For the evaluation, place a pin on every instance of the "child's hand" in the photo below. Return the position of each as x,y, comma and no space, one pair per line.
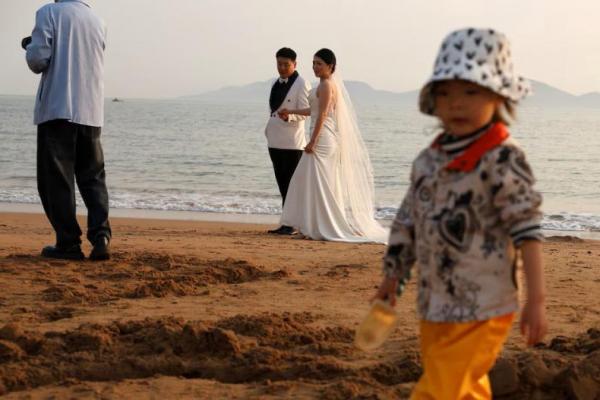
533,322
387,290
533,318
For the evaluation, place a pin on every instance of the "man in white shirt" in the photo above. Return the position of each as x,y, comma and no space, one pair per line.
67,48
286,138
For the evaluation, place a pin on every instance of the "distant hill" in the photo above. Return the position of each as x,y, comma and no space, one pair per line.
591,100
545,95
253,92
362,93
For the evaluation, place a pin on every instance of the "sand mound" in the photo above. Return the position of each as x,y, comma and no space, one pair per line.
269,348
566,368
288,331
134,275
57,313
344,270
187,276
240,349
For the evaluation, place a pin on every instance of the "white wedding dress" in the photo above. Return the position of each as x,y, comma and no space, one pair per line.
329,197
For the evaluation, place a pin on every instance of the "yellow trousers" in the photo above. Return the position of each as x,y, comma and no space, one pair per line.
456,358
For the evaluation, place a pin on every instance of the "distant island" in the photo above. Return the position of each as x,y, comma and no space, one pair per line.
362,93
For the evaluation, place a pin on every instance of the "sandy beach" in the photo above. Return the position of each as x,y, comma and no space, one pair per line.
192,309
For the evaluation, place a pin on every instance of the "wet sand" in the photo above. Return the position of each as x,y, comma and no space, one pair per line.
191,309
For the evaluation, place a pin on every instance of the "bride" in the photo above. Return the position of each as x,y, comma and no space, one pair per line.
330,196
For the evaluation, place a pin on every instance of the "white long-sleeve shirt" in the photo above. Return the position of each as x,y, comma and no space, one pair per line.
67,48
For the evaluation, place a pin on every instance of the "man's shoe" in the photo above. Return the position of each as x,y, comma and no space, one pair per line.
101,250
65,253
287,230
275,231
283,230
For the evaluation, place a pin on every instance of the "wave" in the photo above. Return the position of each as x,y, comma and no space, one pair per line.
254,203
576,222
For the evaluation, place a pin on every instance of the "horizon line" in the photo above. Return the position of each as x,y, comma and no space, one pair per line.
270,79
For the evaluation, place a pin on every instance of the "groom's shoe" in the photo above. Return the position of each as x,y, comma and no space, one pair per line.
283,230
65,253
286,230
275,231
101,249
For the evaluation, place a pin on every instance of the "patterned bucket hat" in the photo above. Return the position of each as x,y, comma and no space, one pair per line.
481,56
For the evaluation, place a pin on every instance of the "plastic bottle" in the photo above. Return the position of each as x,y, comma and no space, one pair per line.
378,324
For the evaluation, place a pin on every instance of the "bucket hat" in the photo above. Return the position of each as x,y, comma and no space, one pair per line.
481,56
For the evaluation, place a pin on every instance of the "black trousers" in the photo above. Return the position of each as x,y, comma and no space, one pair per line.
284,163
68,152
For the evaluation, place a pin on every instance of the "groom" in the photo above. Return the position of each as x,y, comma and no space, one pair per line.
286,138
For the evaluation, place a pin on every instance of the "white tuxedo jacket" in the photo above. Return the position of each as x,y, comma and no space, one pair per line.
289,134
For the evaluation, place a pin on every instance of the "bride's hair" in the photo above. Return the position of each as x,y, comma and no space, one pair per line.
327,56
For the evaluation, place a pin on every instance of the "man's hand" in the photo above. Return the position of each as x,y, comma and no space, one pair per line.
26,42
284,114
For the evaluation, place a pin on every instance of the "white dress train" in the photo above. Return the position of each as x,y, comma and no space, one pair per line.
315,202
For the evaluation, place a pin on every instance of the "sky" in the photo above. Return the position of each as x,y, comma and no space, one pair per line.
163,49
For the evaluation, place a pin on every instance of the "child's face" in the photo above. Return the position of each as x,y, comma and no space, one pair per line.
464,106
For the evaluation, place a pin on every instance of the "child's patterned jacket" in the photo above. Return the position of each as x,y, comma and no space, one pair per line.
471,201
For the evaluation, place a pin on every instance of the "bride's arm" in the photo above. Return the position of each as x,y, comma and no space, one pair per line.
324,92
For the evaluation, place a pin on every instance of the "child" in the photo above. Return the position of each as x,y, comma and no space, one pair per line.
469,205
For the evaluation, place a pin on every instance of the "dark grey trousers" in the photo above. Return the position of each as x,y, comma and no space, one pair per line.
284,163
69,153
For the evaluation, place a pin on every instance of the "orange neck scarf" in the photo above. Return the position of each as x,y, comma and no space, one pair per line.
468,160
